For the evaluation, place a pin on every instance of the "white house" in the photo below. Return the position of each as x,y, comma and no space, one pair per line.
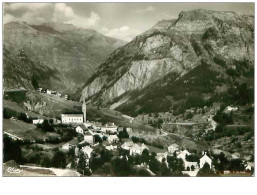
111,147
183,154
109,128
87,151
137,149
228,109
127,145
129,129
205,159
249,166
172,148
37,121
72,118
66,146
48,91
189,165
213,123
88,137
80,129
113,139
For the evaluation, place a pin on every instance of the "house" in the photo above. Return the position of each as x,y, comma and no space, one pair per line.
127,145
109,128
172,148
66,146
40,90
249,166
72,118
213,123
137,149
66,97
37,121
129,130
89,137
183,154
190,165
98,125
113,139
48,91
81,129
87,150
111,147
187,165
160,156
205,159
228,109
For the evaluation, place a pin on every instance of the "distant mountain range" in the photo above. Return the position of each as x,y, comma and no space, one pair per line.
59,56
176,64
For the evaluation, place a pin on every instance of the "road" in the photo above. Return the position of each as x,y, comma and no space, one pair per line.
13,136
164,133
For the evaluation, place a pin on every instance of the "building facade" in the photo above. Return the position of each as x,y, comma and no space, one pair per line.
72,118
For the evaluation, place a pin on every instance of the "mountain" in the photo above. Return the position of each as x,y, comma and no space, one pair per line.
59,56
177,64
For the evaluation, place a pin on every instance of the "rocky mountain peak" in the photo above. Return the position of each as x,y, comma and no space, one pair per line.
171,49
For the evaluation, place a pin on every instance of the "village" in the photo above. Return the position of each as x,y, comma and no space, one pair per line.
121,143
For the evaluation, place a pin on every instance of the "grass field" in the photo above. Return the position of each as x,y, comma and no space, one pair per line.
24,130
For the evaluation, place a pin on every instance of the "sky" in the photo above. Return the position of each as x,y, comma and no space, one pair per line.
119,20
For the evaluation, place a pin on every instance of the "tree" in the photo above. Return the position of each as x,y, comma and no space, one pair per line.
143,173
236,165
175,164
45,126
59,159
98,138
34,81
6,114
46,162
145,156
121,167
154,166
123,133
164,170
82,167
135,139
12,150
205,171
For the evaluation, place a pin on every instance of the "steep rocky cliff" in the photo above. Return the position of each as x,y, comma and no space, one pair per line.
159,60
61,56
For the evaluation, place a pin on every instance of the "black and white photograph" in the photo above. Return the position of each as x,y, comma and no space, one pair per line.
128,89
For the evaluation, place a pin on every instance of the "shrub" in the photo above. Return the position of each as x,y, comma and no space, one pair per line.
59,160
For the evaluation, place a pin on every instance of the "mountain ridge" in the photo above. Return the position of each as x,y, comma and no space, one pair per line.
71,54
196,37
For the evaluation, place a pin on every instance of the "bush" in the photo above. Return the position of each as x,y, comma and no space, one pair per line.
143,173
123,133
7,114
220,61
12,150
45,126
59,160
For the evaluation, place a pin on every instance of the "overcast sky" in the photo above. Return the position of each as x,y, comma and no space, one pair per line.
119,20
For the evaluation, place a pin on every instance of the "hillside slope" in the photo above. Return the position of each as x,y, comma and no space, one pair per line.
189,57
61,56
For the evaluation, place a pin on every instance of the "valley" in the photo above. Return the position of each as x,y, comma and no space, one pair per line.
177,100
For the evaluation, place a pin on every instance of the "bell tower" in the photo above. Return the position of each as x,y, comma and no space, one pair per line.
84,110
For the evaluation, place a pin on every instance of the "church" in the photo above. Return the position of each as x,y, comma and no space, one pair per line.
75,118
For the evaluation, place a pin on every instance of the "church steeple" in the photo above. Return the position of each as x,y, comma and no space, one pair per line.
84,110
